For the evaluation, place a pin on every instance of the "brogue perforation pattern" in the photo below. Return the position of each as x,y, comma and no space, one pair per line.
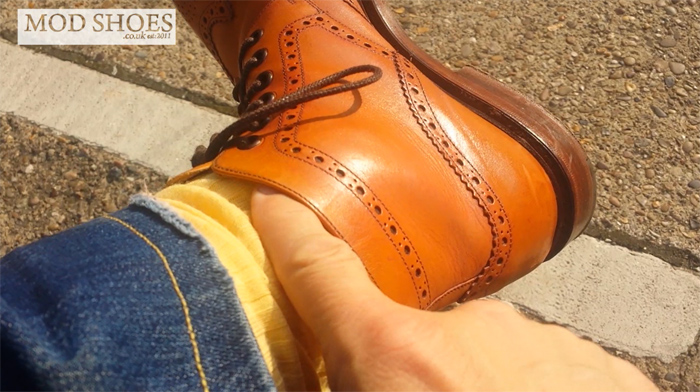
287,143
484,195
217,12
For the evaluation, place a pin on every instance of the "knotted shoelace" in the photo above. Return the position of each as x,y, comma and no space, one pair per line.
250,122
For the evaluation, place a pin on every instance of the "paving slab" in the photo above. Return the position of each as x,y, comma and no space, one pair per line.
147,126
631,301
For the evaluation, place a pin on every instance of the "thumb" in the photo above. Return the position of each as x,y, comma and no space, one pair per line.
321,274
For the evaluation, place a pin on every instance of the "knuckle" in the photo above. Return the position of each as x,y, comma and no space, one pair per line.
382,335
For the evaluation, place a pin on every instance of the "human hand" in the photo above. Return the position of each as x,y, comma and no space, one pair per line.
372,343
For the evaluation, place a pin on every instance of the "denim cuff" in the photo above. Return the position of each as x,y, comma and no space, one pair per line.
133,301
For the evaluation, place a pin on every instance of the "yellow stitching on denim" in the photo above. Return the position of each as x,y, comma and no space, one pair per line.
183,302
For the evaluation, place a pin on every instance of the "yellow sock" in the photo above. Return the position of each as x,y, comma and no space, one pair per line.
219,208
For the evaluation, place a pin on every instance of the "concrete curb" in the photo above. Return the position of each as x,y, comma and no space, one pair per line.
147,126
631,301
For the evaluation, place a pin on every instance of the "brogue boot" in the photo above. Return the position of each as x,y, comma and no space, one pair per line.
447,185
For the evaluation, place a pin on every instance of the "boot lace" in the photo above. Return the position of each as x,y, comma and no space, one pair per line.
255,115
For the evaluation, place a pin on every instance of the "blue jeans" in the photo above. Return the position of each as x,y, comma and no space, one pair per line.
134,301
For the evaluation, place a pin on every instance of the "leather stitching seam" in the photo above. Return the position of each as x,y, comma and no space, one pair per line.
395,229
212,21
297,194
478,186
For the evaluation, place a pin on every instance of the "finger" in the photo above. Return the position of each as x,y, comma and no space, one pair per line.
322,276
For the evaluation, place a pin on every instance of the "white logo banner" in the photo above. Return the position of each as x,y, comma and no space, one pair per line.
96,27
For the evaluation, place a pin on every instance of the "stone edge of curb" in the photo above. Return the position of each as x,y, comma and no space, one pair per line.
537,316
126,75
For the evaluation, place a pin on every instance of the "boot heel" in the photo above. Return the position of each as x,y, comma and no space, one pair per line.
525,121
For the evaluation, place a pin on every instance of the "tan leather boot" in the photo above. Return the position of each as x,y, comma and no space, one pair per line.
448,186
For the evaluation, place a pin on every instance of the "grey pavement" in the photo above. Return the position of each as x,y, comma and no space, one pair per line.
629,301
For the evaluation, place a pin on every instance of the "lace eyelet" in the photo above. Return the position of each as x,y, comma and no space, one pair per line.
257,34
261,82
258,125
267,97
248,142
260,55
248,43
251,122
250,63
265,78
